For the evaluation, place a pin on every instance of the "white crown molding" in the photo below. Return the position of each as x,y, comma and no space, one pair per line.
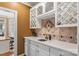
25,3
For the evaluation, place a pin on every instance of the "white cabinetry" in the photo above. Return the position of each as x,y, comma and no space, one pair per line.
33,48
36,49
39,12
34,12
34,23
48,11
66,14
43,50
33,18
59,52
40,9
49,6
27,42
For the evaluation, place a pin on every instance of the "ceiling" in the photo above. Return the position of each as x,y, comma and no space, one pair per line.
30,3
33,3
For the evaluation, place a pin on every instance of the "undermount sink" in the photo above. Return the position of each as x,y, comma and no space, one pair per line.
42,40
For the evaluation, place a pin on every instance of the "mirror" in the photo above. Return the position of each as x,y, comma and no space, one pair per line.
1,27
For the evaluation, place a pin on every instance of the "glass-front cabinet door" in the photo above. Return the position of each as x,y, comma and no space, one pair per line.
66,13
33,18
49,6
40,9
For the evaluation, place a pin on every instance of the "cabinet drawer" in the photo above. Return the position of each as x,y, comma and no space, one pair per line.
59,52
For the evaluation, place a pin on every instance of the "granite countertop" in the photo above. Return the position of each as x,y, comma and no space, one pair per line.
70,47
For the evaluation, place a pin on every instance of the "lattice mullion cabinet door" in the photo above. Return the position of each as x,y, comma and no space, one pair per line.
40,9
49,6
33,17
66,13
34,22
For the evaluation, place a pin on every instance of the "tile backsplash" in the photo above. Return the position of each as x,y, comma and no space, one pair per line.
67,34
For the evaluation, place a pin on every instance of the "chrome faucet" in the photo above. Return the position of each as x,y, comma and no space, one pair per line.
47,36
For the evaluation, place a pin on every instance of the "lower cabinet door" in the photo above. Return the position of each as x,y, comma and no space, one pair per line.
26,53
27,42
43,52
59,52
37,52
54,52
32,51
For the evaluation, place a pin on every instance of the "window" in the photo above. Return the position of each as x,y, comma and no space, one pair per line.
1,28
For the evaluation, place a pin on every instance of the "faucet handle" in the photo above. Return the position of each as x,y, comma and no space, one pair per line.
49,37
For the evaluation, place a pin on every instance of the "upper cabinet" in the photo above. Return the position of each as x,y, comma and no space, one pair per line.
33,17
39,12
45,10
34,12
33,20
40,9
66,14
49,6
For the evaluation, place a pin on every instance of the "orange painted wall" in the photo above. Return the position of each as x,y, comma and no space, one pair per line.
23,22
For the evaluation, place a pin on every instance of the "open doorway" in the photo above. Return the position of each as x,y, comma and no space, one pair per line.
10,28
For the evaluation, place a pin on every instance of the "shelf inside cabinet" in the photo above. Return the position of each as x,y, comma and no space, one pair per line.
67,25
47,15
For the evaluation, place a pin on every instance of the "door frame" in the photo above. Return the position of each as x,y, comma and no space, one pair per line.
15,19
78,26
